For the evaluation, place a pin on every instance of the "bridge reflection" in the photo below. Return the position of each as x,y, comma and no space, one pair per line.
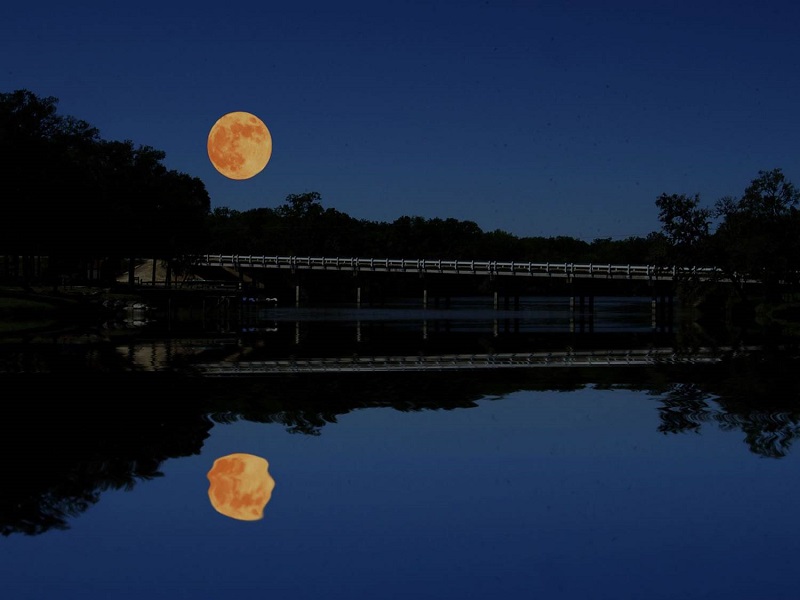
344,347
453,362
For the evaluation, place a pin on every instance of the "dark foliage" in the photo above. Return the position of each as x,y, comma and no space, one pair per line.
303,227
74,197
756,239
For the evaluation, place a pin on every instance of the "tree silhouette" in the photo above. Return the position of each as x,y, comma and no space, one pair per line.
76,198
760,232
757,236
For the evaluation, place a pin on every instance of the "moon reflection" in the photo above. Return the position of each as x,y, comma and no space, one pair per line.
240,486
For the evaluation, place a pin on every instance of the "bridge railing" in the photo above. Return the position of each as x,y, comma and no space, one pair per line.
582,270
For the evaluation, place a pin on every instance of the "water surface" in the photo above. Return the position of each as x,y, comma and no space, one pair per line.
666,480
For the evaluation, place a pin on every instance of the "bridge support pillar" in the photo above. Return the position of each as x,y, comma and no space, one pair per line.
584,300
661,312
297,295
654,312
661,308
358,297
168,277
507,296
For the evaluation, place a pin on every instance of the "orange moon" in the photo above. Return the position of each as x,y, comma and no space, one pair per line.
239,145
240,486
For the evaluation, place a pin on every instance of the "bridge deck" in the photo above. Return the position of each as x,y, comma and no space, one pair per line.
458,267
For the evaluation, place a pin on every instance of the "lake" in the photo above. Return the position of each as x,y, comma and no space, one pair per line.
460,452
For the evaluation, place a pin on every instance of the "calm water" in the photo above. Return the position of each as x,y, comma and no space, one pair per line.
673,478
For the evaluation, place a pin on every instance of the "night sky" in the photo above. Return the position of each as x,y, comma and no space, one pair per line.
538,118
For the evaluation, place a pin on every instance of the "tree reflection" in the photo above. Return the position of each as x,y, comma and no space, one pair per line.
303,406
684,408
49,498
64,454
755,394
58,456
771,435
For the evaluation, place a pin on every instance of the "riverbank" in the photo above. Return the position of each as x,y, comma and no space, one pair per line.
39,308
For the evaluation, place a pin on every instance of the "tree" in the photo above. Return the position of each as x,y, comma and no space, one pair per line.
74,197
38,150
757,239
686,226
302,206
39,154
760,232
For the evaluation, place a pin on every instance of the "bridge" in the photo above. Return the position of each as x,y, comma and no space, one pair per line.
658,279
491,268
581,296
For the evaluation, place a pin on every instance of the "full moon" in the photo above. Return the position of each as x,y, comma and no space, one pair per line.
240,486
239,145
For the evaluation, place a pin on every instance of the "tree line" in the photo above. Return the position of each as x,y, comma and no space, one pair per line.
302,226
74,197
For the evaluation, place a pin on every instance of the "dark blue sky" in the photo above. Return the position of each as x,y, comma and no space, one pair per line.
539,118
